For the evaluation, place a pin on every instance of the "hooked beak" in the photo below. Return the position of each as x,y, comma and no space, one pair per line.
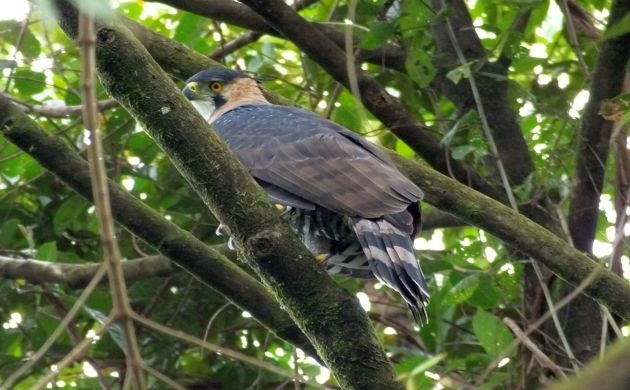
190,90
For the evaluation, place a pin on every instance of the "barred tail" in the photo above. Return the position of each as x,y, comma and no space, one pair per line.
392,259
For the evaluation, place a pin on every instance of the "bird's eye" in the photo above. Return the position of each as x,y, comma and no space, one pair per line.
216,87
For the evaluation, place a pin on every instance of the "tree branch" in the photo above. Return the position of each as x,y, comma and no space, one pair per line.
121,306
607,82
334,322
60,111
231,12
79,275
477,209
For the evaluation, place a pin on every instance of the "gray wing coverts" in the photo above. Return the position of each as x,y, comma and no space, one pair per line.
309,162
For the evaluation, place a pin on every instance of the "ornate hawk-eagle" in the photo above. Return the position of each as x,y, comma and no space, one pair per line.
348,203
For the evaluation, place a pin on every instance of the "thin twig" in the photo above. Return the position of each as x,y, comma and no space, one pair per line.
527,342
162,377
60,111
121,307
235,44
18,46
573,41
219,349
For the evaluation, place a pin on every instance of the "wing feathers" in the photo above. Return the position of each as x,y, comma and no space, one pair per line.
316,160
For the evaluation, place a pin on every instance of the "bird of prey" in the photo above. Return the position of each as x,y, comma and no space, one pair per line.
344,198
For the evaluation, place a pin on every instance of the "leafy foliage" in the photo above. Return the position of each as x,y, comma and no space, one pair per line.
475,279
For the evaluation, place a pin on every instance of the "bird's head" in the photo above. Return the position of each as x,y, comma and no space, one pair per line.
216,88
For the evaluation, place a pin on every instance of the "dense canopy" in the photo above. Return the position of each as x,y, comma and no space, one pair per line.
509,115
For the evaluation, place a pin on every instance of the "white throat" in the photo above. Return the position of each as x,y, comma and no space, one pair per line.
204,107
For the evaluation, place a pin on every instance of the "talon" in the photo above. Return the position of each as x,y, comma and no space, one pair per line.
321,257
231,244
286,210
220,230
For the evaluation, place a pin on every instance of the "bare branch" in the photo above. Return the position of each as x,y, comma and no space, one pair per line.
121,310
538,353
79,275
63,111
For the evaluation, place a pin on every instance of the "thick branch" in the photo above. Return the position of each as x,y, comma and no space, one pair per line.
437,219
183,248
332,319
239,15
519,232
607,82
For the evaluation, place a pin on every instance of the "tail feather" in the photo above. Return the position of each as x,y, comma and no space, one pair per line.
392,260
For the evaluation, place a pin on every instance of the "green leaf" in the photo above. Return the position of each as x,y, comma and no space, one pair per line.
620,28
486,296
347,114
464,121
379,32
403,149
462,71
68,212
463,290
29,83
461,152
131,10
10,31
491,333
419,67
9,232
47,251
114,330
427,364
189,29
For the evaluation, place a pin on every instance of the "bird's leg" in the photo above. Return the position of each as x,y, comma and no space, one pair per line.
322,257
221,229
282,209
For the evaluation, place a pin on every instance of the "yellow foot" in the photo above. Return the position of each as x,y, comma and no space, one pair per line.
279,207
321,257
